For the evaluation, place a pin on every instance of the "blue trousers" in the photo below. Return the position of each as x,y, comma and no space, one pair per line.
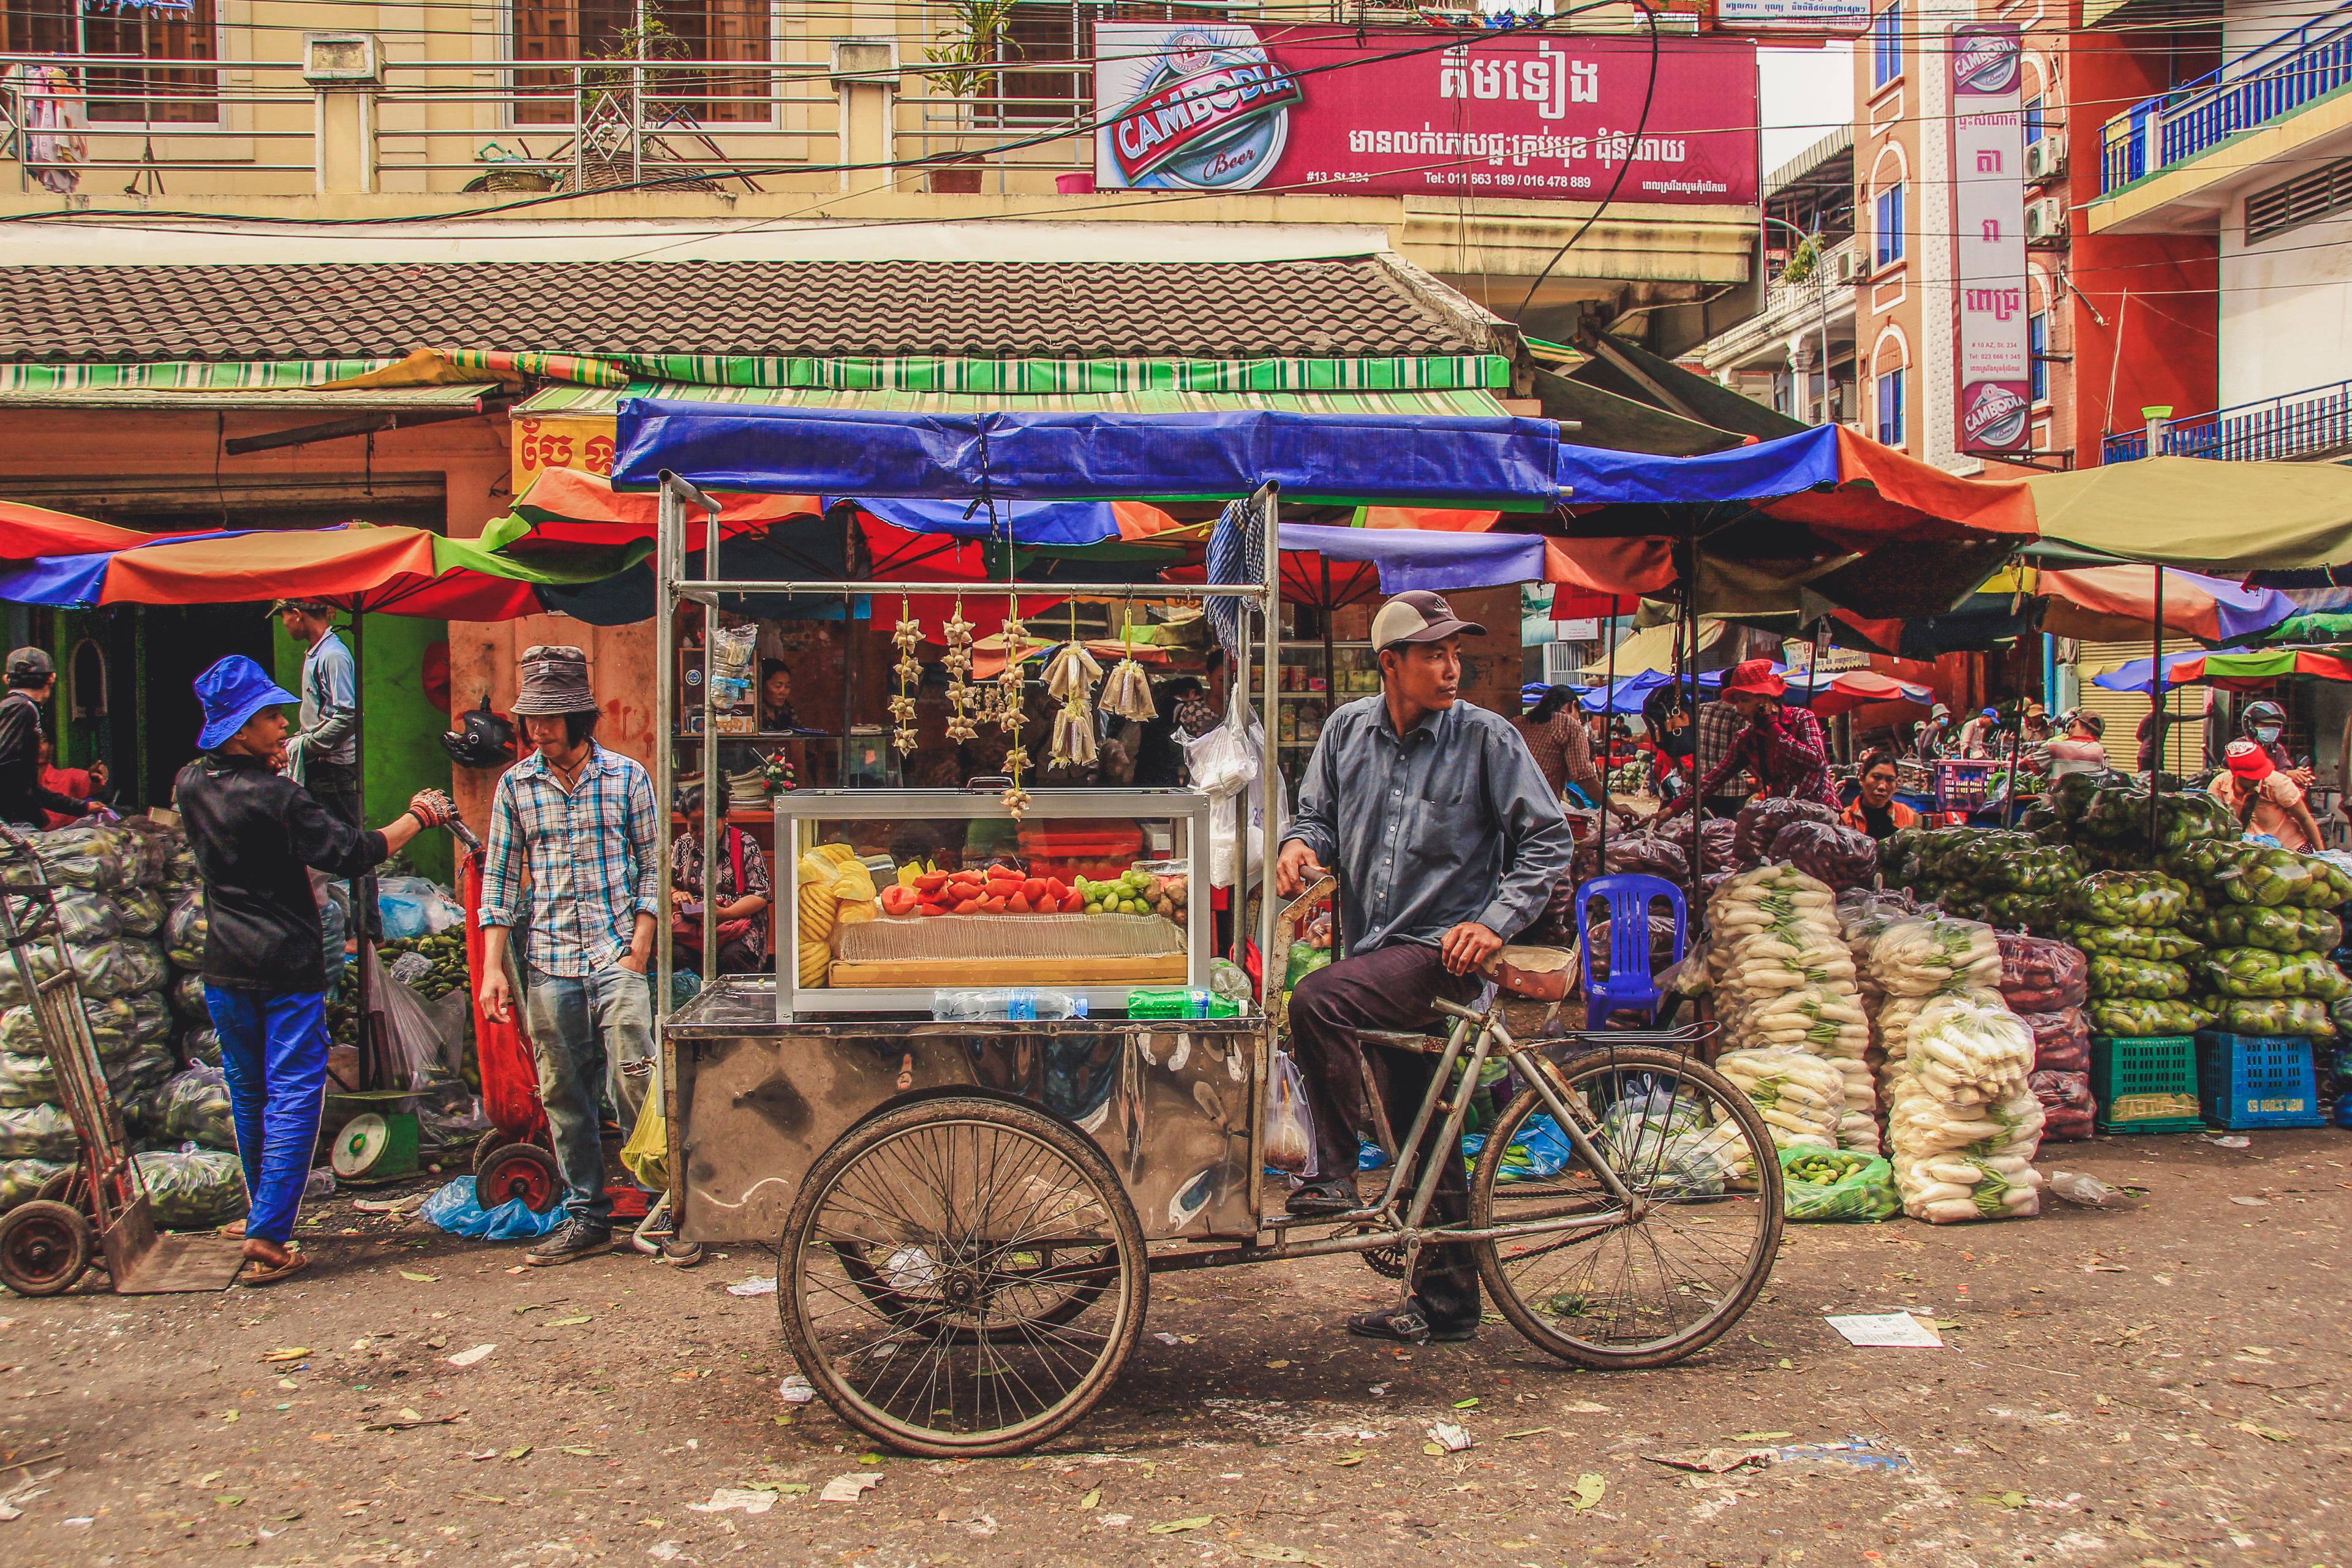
274,1054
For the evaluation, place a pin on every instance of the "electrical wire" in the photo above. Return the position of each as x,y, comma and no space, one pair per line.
1649,96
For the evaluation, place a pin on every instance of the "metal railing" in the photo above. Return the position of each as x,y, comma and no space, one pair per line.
2289,71
2296,427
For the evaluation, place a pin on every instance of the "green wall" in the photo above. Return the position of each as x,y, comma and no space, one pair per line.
401,727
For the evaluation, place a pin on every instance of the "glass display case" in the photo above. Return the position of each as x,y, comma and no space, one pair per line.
960,918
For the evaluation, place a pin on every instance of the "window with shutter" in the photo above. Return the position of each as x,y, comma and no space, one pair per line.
124,94
713,30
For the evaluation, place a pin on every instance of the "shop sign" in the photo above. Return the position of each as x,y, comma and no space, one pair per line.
571,441
1231,107
1996,401
1801,19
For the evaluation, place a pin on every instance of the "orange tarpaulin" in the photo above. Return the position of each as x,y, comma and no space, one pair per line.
28,532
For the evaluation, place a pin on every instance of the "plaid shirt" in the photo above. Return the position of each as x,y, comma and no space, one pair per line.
1786,752
1720,725
590,856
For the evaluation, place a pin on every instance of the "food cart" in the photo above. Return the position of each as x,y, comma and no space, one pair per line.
967,1210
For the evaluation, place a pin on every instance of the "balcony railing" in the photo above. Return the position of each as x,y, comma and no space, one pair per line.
2289,71
2296,427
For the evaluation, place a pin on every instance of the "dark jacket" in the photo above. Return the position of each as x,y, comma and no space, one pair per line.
253,831
22,798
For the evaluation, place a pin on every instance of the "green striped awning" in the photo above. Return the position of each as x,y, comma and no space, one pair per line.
1006,377
581,400
225,383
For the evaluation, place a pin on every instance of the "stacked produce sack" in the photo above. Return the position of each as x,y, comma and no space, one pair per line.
2269,932
1962,1121
114,883
2046,982
2011,881
1783,981
2132,926
1806,834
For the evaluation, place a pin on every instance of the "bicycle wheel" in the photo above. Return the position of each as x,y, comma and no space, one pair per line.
1652,1286
966,1277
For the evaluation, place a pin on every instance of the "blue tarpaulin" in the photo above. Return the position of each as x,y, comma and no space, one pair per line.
1068,522
1415,558
1466,462
1788,466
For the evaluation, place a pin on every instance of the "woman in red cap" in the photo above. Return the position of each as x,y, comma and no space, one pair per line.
2265,799
1782,747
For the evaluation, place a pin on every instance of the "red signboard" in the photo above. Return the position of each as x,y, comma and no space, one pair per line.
1200,106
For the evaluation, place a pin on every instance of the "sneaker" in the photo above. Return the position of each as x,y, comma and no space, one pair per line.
570,1242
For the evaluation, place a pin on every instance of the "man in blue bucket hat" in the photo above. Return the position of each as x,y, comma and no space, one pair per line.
254,832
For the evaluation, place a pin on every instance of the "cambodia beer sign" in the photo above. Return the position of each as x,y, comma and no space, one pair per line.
1202,106
1996,396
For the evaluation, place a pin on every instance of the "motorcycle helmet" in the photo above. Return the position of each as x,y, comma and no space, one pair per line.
484,739
2262,712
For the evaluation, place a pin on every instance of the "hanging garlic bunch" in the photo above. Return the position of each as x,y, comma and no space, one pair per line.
1005,711
1015,799
957,633
908,636
1128,692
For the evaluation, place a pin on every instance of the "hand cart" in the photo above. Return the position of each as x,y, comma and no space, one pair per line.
98,1211
969,1214
512,1159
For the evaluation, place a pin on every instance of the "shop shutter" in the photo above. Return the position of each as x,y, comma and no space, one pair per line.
2185,747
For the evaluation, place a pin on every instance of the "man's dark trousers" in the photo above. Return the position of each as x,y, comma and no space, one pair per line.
1392,988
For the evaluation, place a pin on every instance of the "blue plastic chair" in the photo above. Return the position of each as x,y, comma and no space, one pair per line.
1631,983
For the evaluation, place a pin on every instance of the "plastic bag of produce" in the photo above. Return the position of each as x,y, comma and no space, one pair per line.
26,1080
1289,1123
1840,856
86,919
201,1047
2282,930
2257,973
195,1191
1966,1161
111,1021
2257,874
184,931
1802,1097
2016,912
1897,1014
38,1132
40,957
21,1180
2042,973
1761,819
416,906
2113,976
1919,957
197,1109
2137,1018
1715,838
102,857
2068,1109
2062,1040
141,910
187,996
2278,1015
1647,855
2070,797
149,1066
2133,942
163,848
1837,1184
2124,898
1825,1021
1961,1051
121,967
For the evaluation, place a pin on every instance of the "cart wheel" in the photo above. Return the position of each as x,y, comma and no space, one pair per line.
1665,1281
70,1186
488,1145
965,1276
44,1247
522,1171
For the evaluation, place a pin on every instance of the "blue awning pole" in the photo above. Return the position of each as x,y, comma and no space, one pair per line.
2159,721
1269,771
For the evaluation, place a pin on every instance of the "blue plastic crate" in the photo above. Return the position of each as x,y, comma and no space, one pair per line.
2257,1080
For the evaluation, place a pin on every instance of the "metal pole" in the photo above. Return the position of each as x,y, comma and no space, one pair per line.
1270,779
363,887
1608,725
2157,722
714,802
670,527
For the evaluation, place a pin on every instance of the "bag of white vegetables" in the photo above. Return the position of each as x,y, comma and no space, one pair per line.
1961,1050
1823,1022
1972,1161
1800,1096
1922,956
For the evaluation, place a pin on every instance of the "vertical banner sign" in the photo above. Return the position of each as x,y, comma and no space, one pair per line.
1988,252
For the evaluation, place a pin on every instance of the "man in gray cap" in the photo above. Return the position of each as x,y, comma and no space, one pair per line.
580,823
1447,842
31,677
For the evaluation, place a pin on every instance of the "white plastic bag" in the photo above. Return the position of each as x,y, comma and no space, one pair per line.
1289,1123
1225,765
413,906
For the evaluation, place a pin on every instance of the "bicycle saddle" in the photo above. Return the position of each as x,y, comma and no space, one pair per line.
1538,973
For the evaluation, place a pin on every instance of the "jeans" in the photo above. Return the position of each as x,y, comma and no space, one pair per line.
1389,988
274,1055
584,1031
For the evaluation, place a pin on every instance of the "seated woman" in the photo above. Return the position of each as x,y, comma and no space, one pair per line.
1875,811
744,892
776,697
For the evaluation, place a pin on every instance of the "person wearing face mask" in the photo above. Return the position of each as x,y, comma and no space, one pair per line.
2264,724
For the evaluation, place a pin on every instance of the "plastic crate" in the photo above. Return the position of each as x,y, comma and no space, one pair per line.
1965,783
2257,1080
2146,1083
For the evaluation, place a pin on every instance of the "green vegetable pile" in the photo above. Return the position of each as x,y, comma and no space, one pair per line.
2260,875
448,953
2011,881
1830,1184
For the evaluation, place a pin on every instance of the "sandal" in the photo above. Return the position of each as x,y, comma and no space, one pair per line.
1405,1325
234,1230
259,1273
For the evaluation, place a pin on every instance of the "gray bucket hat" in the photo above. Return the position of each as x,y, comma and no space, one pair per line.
555,680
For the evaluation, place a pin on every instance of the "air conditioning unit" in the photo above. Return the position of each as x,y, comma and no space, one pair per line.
2046,158
1849,266
2045,221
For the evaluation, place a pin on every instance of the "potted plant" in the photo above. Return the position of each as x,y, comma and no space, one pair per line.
977,35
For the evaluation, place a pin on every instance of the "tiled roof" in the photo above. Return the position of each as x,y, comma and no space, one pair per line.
1344,308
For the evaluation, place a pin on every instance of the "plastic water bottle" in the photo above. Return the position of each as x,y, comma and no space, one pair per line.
1019,1004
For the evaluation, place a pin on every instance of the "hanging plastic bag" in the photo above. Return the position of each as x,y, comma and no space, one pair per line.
416,907
1225,765
455,1209
646,1153
196,1190
413,1043
1289,1123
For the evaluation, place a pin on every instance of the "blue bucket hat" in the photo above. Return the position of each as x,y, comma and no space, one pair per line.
232,691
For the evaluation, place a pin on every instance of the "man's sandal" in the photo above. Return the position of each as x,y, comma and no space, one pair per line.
261,1273
1405,1325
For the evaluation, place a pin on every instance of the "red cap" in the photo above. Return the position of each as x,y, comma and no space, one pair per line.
2249,761
1755,675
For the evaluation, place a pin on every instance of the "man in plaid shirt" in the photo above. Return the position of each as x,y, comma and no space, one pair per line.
580,821
1781,747
1719,724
